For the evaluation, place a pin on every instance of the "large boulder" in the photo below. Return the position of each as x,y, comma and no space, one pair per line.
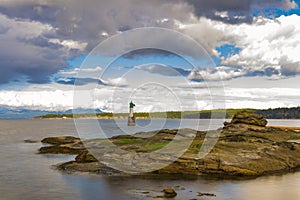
250,118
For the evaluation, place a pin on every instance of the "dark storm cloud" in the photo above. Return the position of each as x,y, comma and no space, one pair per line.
215,74
3,29
79,18
271,71
37,58
33,11
27,53
85,20
40,41
147,52
238,11
36,68
289,68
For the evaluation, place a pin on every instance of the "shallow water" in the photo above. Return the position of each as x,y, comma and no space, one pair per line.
27,175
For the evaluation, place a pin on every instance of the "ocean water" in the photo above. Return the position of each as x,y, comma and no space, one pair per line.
24,174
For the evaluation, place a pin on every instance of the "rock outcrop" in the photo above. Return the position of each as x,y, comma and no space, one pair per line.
62,145
60,140
85,157
244,121
245,148
245,117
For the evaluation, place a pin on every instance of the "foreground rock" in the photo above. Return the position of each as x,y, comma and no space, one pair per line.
245,148
62,145
60,140
169,193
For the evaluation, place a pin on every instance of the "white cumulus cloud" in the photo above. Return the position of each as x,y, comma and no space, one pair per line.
269,46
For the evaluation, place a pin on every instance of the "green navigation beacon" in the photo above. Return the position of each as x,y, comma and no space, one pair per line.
131,118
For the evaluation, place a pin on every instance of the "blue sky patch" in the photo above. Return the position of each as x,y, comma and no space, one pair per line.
227,50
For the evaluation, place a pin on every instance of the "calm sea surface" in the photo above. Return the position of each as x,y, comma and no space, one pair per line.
24,174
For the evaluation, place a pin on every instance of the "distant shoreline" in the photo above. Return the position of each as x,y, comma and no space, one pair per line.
277,113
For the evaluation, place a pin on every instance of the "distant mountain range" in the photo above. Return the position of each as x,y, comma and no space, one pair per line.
22,113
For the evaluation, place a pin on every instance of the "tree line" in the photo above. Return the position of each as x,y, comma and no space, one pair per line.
275,113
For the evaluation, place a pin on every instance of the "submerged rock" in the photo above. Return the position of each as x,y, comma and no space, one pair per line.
30,141
200,194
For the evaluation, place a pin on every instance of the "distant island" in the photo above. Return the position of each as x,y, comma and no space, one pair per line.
276,113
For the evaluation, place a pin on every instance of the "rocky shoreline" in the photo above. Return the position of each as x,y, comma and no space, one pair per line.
246,148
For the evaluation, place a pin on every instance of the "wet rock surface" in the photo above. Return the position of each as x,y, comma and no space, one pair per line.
169,193
30,141
245,149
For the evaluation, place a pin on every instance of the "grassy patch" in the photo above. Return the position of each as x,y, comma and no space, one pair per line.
127,141
195,146
152,147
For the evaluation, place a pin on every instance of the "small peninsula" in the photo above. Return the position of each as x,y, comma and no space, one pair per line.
246,148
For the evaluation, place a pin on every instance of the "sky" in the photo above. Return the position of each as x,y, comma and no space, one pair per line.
247,54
